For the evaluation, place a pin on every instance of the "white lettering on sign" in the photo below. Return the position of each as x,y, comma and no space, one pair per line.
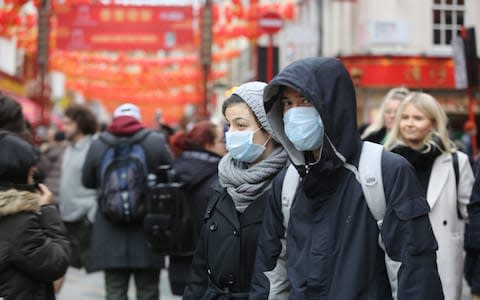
276,23
171,16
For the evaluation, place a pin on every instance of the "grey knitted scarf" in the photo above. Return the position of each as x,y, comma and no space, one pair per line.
245,182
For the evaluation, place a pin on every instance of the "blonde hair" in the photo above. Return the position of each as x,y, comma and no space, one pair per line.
433,111
398,93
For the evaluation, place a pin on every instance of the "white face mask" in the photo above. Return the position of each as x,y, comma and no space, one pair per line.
304,128
241,146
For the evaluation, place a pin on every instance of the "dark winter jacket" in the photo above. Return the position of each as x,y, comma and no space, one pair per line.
223,263
198,170
51,167
34,250
332,247
472,237
377,136
122,245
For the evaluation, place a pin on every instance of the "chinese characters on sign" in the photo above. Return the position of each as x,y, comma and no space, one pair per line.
98,27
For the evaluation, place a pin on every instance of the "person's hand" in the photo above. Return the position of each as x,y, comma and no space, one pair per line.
45,195
475,297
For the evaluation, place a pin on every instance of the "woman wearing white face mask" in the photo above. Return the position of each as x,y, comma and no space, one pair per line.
223,263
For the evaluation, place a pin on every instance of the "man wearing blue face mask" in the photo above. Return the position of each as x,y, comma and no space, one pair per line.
331,241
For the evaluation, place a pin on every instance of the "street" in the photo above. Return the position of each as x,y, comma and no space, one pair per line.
81,286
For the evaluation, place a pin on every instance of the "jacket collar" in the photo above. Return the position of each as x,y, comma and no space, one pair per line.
253,213
14,201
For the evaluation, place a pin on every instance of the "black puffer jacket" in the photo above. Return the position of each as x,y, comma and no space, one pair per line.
198,170
223,263
33,248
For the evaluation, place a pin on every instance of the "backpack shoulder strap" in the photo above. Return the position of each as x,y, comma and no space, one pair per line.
289,188
112,140
456,170
370,171
107,138
139,136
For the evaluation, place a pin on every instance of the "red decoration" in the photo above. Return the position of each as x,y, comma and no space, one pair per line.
98,27
411,71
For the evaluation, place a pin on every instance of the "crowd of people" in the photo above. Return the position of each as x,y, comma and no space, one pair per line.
409,229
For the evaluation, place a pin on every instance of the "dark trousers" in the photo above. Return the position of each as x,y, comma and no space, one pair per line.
79,234
147,283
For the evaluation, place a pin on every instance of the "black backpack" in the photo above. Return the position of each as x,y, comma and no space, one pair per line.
123,175
170,223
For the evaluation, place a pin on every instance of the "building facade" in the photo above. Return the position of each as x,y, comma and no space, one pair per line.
388,43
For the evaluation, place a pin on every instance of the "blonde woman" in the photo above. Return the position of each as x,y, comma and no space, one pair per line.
419,134
381,126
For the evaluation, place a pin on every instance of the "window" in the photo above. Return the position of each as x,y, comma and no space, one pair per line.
448,18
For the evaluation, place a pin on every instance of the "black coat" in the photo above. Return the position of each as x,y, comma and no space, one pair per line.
198,170
376,136
121,245
225,255
34,250
332,249
472,237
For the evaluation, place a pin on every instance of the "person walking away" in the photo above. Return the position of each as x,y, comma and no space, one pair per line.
119,245
223,263
332,239
419,134
34,249
200,150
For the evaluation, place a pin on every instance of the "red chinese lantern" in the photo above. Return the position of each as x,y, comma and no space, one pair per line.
288,11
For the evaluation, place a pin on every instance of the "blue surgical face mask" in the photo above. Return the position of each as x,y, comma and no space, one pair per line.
304,128
241,146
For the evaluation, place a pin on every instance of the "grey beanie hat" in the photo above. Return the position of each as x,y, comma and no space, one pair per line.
252,94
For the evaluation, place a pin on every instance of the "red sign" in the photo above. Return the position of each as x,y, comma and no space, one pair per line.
410,71
271,22
99,27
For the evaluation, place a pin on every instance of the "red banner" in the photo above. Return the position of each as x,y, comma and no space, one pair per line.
99,27
414,72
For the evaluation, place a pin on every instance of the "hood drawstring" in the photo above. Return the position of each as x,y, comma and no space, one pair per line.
346,165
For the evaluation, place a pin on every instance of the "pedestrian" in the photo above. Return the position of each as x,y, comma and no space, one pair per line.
120,248
77,203
200,150
12,119
420,135
223,263
332,249
472,239
377,131
50,165
469,131
34,249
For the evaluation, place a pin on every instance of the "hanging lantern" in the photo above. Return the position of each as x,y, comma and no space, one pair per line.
288,11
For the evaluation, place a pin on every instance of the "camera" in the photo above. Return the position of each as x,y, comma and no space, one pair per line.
163,191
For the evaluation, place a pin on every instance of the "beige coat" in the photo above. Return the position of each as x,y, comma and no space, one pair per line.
448,229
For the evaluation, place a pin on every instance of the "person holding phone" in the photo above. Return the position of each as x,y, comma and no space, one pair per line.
34,250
